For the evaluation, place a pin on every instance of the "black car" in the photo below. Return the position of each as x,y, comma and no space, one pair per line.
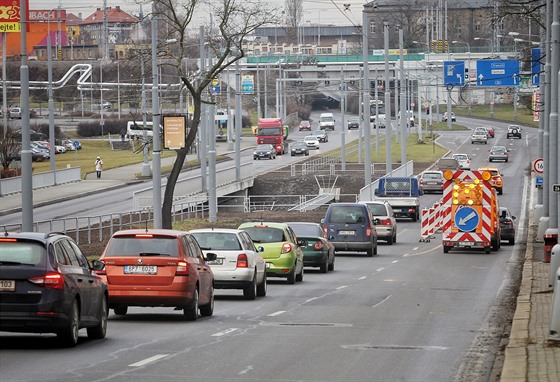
321,135
48,286
507,225
353,123
299,148
264,151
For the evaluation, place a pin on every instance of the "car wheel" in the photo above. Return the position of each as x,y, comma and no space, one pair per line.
190,312
299,276
395,235
208,309
487,250
250,292
331,264
69,335
445,249
390,240
262,287
500,192
99,331
490,160
511,241
291,279
375,246
121,310
324,268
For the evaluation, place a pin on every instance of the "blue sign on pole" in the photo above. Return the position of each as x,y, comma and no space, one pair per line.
454,73
247,81
536,58
466,219
497,73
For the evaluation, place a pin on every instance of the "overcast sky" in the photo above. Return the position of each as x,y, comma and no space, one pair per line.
315,11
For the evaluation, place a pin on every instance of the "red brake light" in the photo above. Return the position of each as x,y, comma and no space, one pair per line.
53,280
242,261
384,221
318,245
286,247
326,229
182,268
144,235
368,231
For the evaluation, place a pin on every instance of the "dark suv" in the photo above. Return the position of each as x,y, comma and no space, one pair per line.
48,286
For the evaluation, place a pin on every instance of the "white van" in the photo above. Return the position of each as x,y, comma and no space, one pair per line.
136,131
326,121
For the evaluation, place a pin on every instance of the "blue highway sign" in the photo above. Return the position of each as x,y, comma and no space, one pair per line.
247,81
466,219
454,73
536,58
497,73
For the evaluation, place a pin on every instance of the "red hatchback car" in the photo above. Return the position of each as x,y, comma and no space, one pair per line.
158,267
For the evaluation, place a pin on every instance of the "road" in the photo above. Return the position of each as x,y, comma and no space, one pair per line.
409,314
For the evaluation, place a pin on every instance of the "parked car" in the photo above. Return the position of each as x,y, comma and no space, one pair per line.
264,151
299,148
279,248
15,112
353,123
318,251
158,267
379,121
453,118
497,180
385,222
305,125
312,142
351,227
48,286
498,153
322,135
464,161
431,181
479,135
507,225
513,131
238,264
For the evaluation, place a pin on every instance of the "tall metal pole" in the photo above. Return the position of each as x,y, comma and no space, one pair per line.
156,156
4,87
52,151
404,109
238,124
26,164
342,114
366,97
202,133
146,172
362,123
388,133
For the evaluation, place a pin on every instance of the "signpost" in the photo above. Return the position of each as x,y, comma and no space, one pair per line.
453,73
497,73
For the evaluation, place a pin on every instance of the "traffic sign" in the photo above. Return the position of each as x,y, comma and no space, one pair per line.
539,182
538,165
497,73
466,219
536,66
454,73
247,81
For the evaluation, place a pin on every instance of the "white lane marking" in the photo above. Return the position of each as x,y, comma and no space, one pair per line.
415,248
394,261
381,302
246,370
342,287
362,278
276,313
224,332
311,299
380,269
148,360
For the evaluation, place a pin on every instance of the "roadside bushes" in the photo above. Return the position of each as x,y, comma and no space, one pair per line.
93,129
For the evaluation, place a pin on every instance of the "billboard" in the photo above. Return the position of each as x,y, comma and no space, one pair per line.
10,15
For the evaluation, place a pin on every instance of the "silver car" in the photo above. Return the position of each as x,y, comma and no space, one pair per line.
431,181
238,264
385,222
464,161
479,135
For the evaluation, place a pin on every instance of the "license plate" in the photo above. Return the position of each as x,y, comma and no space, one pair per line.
466,244
7,285
140,269
346,232
219,261
431,182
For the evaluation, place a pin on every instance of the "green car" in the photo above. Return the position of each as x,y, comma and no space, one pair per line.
279,249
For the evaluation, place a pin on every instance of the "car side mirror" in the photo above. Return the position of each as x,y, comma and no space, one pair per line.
210,256
260,248
331,237
97,265
513,217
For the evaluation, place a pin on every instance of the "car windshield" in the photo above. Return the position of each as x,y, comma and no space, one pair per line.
347,215
265,234
431,175
460,156
263,147
318,133
147,245
305,229
498,149
377,209
298,144
270,131
217,240
310,138
22,252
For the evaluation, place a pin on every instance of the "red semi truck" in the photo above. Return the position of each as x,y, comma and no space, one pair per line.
272,131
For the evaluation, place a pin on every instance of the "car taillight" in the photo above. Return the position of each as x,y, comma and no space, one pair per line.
286,247
53,280
242,261
326,229
368,231
421,181
182,268
318,245
384,221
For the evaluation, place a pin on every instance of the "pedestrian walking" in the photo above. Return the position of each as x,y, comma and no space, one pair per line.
98,167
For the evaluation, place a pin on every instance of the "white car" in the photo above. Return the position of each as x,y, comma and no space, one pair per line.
464,161
312,142
239,265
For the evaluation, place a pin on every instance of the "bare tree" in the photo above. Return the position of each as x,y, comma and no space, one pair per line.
294,14
234,20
